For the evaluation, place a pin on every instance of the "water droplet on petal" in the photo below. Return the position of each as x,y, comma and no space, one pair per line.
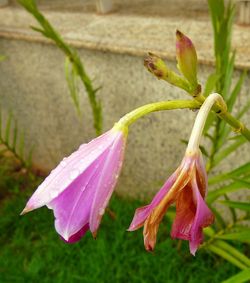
101,211
73,174
63,163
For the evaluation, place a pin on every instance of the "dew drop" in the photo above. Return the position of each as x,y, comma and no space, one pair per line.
73,174
63,163
101,211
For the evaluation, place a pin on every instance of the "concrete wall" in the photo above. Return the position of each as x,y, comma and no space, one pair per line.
33,87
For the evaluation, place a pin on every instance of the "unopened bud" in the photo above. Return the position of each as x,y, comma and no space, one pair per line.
186,58
158,67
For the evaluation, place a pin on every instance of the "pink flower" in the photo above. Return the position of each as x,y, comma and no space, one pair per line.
187,187
79,188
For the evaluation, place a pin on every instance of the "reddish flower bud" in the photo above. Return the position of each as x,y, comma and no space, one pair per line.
186,58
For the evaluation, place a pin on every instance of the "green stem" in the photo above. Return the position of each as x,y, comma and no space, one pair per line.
134,115
237,125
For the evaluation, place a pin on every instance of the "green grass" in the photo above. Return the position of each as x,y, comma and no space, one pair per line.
31,251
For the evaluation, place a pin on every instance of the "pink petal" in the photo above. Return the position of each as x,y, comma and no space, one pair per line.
72,207
142,213
76,237
203,218
107,180
201,175
185,213
68,170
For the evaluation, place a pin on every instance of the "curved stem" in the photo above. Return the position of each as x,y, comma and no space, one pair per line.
134,115
201,118
237,125
219,109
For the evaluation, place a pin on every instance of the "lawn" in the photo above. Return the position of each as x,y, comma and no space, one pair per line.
31,250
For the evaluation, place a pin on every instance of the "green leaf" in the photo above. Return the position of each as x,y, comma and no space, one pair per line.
235,186
240,277
71,78
222,154
232,210
210,84
39,30
245,168
29,159
243,236
219,219
77,67
227,256
209,122
236,91
233,251
225,129
15,134
21,146
235,204
244,109
228,76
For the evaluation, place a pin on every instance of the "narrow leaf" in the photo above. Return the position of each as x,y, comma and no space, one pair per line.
235,186
233,251
240,236
227,256
228,76
235,204
21,146
236,91
232,210
210,84
240,277
15,133
242,112
228,150
219,219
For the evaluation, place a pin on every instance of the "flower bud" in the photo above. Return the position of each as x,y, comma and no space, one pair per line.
186,58
158,67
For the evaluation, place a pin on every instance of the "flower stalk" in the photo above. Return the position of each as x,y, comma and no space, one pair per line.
218,107
136,114
200,121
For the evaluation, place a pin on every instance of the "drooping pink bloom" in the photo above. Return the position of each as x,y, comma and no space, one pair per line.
187,187
79,188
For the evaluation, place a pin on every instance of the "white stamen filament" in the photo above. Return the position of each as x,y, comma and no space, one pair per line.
195,137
